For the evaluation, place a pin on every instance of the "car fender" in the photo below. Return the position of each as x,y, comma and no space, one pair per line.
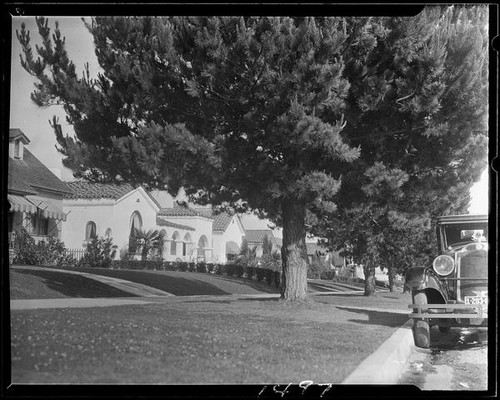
420,278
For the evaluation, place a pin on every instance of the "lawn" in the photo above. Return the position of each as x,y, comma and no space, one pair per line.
186,283
186,340
41,284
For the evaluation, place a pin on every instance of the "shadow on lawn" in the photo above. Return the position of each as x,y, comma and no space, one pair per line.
385,318
175,285
75,285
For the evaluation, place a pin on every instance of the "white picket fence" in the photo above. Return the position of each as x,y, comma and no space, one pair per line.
76,253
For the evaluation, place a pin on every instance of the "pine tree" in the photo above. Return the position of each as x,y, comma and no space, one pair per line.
417,108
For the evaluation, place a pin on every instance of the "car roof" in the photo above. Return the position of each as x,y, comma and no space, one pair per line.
458,219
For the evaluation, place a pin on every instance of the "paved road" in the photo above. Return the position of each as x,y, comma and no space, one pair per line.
456,361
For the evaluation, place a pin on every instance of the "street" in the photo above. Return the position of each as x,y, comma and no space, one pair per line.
456,360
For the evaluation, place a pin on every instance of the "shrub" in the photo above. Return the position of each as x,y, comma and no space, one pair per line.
271,261
191,267
51,252
269,275
229,269
328,275
249,271
219,269
260,273
201,267
238,270
170,266
181,266
136,264
316,267
99,253
277,278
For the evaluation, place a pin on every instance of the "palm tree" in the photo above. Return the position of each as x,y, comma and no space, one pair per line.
149,240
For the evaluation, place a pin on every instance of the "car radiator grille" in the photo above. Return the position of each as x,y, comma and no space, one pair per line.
473,264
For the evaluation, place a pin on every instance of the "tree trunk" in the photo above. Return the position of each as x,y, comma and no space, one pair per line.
293,252
392,280
369,271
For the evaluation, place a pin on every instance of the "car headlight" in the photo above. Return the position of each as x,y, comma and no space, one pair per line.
443,265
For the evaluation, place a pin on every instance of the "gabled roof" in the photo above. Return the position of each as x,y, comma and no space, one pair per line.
91,190
181,211
163,222
31,173
16,133
221,220
257,235
16,186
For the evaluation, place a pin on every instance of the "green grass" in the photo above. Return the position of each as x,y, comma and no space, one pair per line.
41,284
183,340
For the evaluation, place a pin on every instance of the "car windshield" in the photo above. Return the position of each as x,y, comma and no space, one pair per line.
457,234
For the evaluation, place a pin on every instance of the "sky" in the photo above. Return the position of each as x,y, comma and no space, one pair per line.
34,121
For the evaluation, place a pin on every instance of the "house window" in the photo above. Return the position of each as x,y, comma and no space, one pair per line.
39,225
90,231
184,249
173,244
17,149
10,221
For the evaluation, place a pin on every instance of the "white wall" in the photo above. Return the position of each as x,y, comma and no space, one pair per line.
233,233
106,213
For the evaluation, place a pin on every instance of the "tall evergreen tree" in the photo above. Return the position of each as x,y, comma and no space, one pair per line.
243,112
417,107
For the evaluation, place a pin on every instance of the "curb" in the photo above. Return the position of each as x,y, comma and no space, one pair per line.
387,363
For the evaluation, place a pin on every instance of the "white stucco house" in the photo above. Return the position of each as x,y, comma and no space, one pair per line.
111,210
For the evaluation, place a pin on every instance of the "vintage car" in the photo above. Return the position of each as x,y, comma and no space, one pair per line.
454,290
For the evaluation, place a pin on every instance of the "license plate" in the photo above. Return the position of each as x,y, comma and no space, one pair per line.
482,300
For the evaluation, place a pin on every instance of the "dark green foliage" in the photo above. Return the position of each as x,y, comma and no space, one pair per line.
137,264
201,267
150,242
51,252
249,271
260,274
317,267
267,246
271,261
417,109
269,113
240,111
99,253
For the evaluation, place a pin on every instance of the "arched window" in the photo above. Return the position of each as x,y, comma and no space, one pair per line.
173,244
90,230
135,223
202,244
186,244
108,234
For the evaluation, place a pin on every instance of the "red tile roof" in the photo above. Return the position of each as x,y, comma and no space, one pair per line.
257,235
183,211
91,190
30,174
163,222
221,220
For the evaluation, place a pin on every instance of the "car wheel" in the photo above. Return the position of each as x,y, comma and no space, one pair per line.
421,330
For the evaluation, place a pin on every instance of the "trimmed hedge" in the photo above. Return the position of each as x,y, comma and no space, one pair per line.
137,264
271,276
